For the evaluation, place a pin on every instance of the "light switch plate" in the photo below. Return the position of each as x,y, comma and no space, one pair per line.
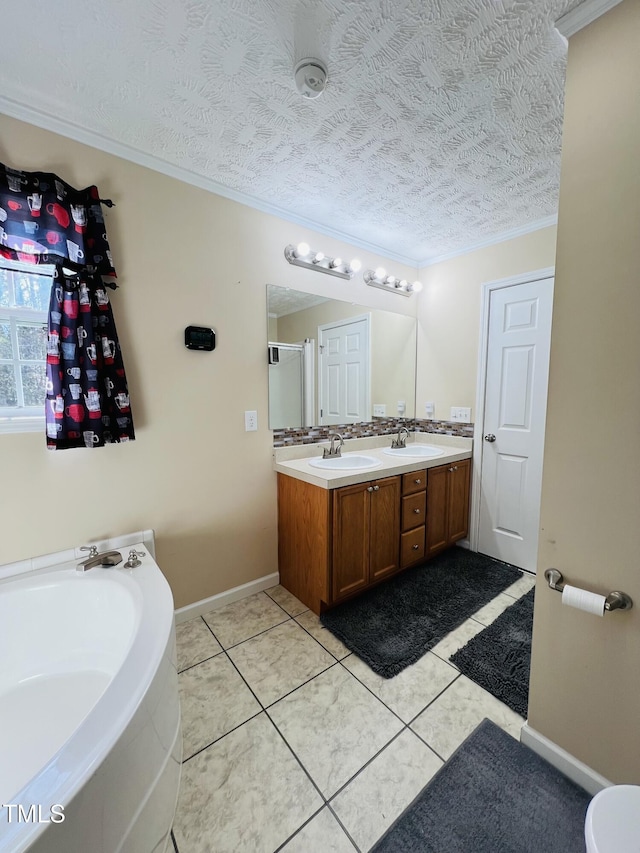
429,409
461,413
250,421
379,410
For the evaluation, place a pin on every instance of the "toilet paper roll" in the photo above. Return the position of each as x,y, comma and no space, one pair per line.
583,600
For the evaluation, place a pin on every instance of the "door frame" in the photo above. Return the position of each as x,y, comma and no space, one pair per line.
478,443
345,321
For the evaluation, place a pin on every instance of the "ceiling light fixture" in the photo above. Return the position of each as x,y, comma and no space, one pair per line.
302,256
380,278
311,77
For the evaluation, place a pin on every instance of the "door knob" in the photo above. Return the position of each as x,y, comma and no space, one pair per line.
490,437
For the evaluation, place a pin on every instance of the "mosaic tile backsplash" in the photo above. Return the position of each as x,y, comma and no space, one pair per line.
380,426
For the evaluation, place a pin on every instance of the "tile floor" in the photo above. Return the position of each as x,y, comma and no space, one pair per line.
293,744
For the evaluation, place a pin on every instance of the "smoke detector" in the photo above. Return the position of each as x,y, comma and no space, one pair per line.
311,77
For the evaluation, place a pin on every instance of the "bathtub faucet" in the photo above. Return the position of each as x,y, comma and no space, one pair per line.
106,558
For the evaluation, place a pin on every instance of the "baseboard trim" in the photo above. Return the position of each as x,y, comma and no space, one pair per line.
215,602
563,761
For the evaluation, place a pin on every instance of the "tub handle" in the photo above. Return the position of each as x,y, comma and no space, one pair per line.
133,562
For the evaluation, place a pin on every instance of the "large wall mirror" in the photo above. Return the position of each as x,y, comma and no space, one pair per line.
333,362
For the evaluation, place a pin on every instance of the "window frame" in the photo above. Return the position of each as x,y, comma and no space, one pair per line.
22,418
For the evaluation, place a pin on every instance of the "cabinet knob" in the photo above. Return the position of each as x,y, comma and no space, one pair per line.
415,547
453,468
418,481
417,511
370,489
376,488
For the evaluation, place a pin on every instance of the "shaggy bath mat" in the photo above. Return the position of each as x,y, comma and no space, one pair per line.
493,795
499,657
394,624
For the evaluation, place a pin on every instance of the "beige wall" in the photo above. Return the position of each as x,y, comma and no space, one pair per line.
184,256
449,316
393,347
585,683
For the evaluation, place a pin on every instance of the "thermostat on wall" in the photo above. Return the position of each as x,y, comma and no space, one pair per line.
199,337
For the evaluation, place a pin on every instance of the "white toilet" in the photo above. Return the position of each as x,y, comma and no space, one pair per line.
613,820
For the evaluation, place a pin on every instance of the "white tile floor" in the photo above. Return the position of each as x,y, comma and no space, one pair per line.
292,743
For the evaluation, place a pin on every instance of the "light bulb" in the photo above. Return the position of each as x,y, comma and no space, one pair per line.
416,287
390,280
403,284
302,250
380,273
355,265
335,263
319,256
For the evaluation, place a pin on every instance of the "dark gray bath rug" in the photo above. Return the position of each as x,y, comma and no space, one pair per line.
499,658
493,795
394,624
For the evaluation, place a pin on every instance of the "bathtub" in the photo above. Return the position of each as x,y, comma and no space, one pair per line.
90,740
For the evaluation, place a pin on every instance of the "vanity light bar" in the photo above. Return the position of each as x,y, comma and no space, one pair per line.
302,256
380,278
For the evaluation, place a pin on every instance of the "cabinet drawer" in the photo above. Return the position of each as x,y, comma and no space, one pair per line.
416,481
413,510
412,546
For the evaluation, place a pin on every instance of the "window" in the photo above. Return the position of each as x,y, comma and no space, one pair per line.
24,302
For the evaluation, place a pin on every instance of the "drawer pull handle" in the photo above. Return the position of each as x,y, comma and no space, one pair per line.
417,511
417,482
415,547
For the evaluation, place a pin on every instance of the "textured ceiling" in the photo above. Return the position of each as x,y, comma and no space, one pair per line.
282,301
440,125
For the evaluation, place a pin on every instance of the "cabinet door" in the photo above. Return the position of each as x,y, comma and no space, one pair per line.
437,527
351,526
385,528
458,500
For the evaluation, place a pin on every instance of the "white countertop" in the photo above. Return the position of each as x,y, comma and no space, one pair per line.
293,461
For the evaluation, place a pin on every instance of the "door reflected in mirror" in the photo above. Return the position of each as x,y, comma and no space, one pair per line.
333,362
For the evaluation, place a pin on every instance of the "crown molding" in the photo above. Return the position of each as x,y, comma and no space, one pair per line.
69,130
583,15
512,233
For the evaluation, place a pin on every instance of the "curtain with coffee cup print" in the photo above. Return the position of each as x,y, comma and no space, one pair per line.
43,220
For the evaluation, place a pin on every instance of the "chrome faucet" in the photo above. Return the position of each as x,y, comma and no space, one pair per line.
106,558
401,440
333,451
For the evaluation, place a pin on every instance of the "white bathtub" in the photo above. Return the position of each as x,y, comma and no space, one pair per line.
90,741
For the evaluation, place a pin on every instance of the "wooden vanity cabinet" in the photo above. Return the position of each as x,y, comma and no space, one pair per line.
366,529
414,513
447,505
333,543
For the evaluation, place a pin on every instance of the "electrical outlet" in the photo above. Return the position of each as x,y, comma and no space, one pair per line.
250,421
379,410
429,409
402,407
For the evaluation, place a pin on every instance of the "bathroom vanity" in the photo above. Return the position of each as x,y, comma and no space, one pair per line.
340,532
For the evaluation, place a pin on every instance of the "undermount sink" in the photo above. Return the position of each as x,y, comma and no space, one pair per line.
424,451
347,462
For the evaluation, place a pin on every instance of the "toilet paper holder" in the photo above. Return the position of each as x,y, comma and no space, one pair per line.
616,600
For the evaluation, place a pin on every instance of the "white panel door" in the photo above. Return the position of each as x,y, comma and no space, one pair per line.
344,371
514,418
